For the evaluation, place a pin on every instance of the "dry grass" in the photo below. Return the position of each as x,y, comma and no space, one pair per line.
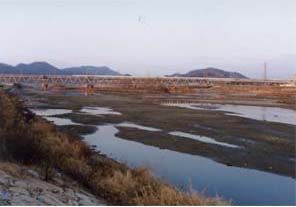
11,169
138,187
32,140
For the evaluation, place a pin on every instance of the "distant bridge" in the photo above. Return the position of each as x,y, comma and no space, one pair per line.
130,82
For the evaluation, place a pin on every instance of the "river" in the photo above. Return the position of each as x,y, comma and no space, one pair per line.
240,185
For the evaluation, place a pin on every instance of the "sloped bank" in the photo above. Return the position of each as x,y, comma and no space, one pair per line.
23,185
31,140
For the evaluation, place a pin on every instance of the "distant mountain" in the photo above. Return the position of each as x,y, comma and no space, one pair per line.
37,68
44,68
210,72
7,69
89,70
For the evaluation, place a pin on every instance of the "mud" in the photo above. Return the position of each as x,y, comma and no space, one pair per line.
267,146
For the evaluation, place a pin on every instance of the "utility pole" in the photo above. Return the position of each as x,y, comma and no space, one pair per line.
265,71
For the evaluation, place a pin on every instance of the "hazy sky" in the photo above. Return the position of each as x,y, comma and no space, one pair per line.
152,37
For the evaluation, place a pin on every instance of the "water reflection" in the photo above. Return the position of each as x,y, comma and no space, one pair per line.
60,121
137,126
99,111
261,113
244,186
50,112
203,139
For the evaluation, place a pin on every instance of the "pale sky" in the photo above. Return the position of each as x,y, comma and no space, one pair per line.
152,37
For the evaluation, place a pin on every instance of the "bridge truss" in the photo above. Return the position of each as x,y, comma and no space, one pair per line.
128,81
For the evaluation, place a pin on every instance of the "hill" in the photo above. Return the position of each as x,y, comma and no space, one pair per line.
89,70
37,68
7,69
210,72
44,68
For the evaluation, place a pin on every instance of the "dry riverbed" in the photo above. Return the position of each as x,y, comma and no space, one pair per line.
268,146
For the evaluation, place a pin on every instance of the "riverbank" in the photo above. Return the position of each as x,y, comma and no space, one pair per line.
44,145
24,185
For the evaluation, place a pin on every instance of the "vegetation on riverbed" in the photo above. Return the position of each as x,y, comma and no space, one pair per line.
31,140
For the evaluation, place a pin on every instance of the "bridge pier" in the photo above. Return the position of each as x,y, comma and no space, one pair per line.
89,89
44,86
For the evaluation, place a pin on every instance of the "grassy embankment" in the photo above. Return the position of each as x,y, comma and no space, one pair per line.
30,140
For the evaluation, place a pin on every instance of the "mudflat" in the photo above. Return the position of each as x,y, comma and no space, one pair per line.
263,145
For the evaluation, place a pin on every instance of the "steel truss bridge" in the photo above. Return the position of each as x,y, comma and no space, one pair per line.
129,81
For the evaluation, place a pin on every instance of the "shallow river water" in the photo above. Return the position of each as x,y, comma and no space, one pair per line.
261,113
242,186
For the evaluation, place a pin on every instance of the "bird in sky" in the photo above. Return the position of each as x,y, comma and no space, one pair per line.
141,20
